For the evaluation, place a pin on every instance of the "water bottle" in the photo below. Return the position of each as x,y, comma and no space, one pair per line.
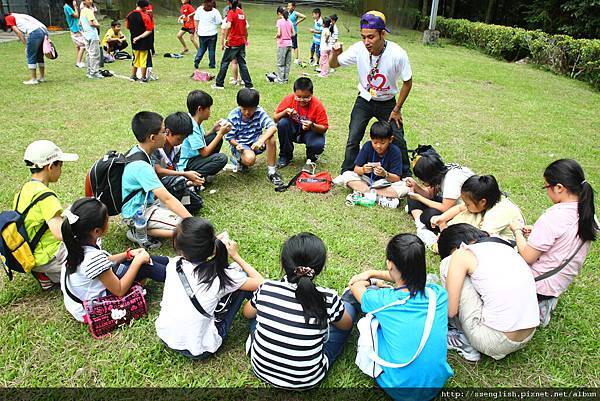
140,224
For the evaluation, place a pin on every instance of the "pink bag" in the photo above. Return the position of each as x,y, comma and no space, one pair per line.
49,49
202,76
105,314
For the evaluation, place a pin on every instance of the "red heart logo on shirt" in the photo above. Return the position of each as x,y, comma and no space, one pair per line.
377,81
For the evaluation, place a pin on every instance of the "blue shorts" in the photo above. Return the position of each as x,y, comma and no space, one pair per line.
295,41
35,48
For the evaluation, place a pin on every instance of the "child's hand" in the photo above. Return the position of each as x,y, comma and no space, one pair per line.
225,128
410,183
367,168
134,252
290,112
306,125
364,276
239,147
437,221
194,177
143,257
232,248
258,145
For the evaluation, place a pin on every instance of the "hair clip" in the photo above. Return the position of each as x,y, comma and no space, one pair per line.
301,271
70,216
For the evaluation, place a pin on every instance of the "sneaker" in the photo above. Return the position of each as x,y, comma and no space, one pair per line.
546,307
44,281
275,179
95,75
152,77
428,237
339,180
459,342
143,80
80,65
309,166
40,80
391,203
151,244
133,78
215,86
352,198
242,168
283,162
271,77
297,61
31,82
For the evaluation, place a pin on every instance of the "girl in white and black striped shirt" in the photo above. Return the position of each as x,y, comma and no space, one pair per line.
297,329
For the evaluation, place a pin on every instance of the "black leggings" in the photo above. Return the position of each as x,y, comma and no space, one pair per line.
428,212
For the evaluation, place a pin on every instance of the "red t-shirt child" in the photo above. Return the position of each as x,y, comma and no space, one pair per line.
186,10
237,31
315,111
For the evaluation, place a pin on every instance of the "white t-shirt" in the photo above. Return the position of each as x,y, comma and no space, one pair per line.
179,323
393,66
506,287
453,181
207,22
84,282
27,24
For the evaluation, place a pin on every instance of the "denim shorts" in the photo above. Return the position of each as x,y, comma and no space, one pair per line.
35,48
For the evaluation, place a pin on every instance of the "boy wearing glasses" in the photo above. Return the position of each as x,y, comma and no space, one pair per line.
301,118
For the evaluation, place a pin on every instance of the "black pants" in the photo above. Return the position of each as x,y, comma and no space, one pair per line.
289,132
211,164
239,54
112,47
362,112
428,212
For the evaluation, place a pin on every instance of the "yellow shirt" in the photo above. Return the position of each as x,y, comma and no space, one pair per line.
42,212
110,34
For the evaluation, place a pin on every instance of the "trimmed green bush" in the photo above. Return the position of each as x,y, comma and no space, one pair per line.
576,58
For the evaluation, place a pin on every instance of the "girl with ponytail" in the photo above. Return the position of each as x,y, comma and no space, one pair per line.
297,329
562,234
196,328
484,206
91,272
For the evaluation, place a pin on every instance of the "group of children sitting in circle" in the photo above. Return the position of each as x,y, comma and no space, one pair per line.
298,329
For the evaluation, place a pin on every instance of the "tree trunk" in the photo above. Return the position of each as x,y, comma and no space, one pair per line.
452,8
425,11
490,11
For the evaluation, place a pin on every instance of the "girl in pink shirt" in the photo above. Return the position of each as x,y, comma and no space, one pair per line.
561,236
285,31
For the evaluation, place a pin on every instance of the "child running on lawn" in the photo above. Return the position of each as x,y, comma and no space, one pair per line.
186,18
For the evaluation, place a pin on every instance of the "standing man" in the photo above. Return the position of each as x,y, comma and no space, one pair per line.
381,63
295,18
236,36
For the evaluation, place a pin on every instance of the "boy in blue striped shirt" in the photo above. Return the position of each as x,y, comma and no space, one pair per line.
247,138
315,46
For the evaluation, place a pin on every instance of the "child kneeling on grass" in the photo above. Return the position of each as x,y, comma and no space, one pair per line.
247,139
89,271
478,276
401,326
139,178
297,329
484,206
378,167
217,287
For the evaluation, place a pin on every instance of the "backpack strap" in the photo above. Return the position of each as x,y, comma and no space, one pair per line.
496,240
188,289
426,331
292,182
33,243
562,265
69,293
135,157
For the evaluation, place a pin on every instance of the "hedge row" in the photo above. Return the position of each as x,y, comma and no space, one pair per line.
576,58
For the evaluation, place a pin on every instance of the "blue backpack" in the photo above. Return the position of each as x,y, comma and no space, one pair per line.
16,249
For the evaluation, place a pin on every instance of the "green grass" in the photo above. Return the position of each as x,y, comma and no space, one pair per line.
497,118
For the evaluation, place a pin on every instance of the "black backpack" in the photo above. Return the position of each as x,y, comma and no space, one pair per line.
177,186
106,176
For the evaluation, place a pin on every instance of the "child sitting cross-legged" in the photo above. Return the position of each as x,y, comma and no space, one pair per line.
378,168
141,185
89,271
297,329
252,132
219,288
402,326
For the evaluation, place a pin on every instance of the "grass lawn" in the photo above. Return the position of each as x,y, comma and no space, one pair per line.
497,118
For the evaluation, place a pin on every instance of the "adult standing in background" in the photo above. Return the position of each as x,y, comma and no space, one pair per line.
381,63
21,25
295,18
236,36
208,19
72,16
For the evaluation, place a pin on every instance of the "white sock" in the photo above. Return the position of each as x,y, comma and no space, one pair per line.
271,170
419,224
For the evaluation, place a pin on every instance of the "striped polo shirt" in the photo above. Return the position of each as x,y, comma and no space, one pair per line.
286,351
247,132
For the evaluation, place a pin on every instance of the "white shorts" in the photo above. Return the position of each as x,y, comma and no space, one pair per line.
399,186
54,266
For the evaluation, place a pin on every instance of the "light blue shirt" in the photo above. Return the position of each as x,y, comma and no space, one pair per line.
136,175
399,335
72,22
318,26
191,146
247,132
89,32
293,17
